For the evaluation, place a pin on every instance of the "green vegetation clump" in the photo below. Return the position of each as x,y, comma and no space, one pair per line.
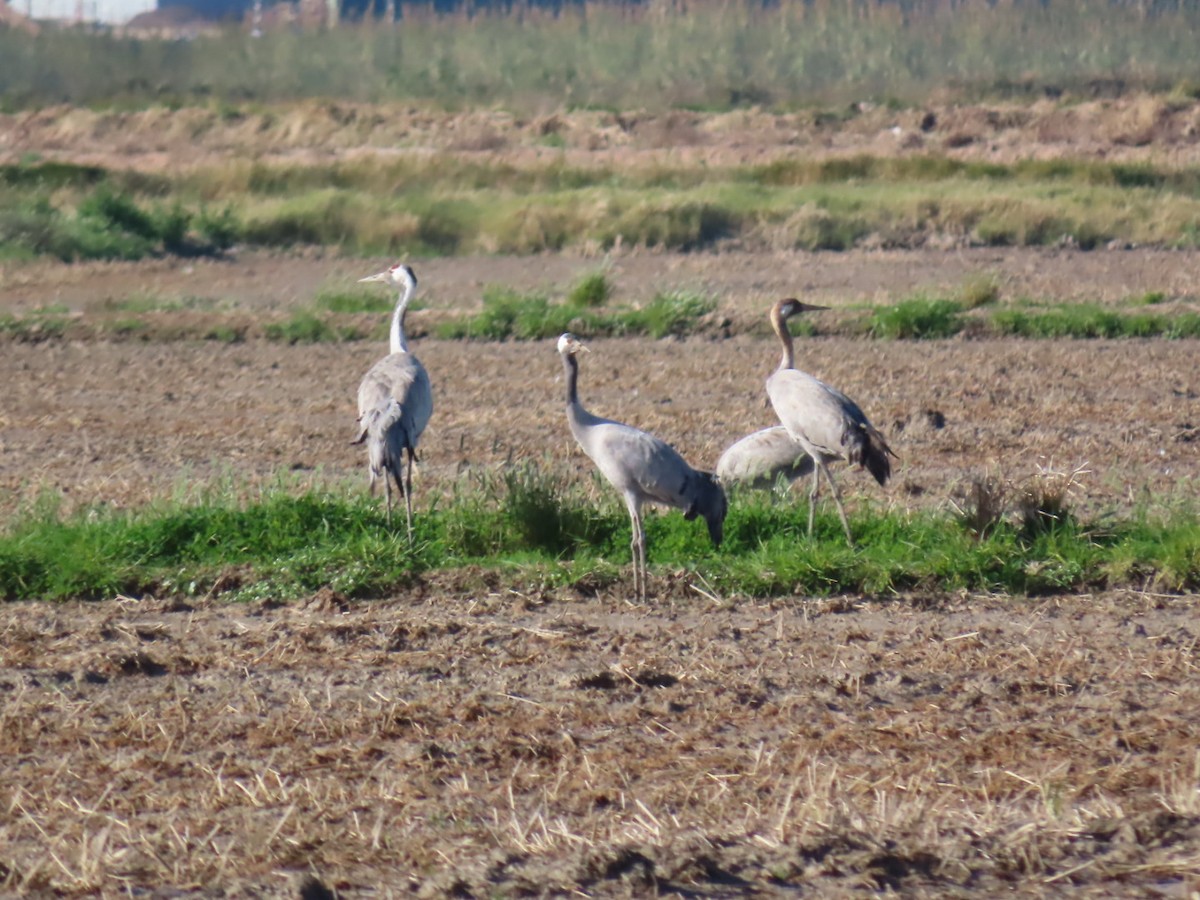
525,519
917,318
356,301
304,327
32,329
104,222
509,314
590,291
1089,321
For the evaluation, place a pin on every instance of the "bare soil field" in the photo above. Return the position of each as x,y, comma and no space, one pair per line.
123,421
465,743
468,740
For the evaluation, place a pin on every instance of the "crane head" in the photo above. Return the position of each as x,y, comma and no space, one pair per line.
791,306
569,345
399,274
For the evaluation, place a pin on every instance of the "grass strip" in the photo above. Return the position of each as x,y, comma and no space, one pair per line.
527,523
448,206
507,314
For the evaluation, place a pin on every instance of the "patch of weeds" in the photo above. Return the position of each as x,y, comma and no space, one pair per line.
821,229
1076,321
1043,500
32,329
977,291
226,334
671,313
353,301
127,327
591,290
917,318
218,229
686,226
51,175
1186,325
984,505
507,313
542,511
302,328
1150,298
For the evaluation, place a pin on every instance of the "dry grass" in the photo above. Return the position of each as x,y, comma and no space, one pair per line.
1041,501
1145,129
501,744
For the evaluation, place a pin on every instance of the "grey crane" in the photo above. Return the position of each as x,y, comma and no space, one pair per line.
762,457
395,401
643,468
821,419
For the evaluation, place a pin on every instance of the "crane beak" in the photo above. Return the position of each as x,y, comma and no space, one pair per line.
382,276
811,307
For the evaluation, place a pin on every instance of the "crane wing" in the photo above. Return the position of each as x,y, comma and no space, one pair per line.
813,413
760,458
634,461
398,378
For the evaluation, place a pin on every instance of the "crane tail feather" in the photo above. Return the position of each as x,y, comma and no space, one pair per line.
869,450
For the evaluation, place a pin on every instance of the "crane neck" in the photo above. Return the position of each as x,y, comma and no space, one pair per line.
399,343
779,323
571,365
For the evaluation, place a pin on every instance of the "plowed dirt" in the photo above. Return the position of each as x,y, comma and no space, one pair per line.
465,741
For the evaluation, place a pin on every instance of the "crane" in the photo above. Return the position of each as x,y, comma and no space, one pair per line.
395,400
821,419
762,457
643,468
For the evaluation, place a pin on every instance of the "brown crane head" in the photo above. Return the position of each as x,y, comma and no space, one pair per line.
785,309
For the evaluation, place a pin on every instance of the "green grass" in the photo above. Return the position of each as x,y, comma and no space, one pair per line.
306,327
356,301
1090,321
526,522
916,318
101,220
593,289
33,328
525,317
717,56
448,205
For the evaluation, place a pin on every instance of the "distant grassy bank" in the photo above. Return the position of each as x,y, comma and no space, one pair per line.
530,526
422,206
711,56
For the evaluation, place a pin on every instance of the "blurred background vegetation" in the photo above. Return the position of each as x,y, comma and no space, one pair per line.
698,55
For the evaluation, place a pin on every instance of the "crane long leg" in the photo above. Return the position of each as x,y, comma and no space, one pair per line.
408,494
637,548
812,495
642,559
836,499
387,487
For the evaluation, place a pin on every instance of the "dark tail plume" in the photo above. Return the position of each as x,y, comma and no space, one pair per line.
869,450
